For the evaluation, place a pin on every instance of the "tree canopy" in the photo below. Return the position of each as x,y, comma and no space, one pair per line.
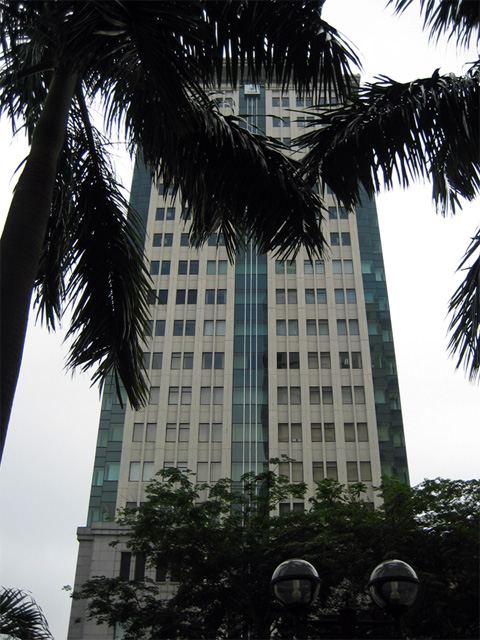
151,68
220,554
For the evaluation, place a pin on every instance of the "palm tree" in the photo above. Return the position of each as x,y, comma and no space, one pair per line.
428,128
70,234
21,618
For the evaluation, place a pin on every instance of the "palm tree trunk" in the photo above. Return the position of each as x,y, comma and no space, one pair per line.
23,236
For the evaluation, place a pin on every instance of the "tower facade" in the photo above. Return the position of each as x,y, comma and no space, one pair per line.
250,360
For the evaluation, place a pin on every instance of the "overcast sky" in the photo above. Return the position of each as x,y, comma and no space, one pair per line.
48,461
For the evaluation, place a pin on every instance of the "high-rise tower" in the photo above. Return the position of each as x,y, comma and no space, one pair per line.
250,360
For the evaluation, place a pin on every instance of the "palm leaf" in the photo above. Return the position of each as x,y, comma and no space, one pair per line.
426,128
94,259
460,19
465,310
21,617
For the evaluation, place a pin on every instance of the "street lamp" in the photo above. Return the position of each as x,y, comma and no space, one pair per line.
295,584
393,586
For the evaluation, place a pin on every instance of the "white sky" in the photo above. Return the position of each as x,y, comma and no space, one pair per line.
48,461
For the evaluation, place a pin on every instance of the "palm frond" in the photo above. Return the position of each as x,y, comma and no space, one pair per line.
426,128
465,310
94,259
21,617
460,19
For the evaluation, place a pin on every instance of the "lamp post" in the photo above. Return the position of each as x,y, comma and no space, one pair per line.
393,586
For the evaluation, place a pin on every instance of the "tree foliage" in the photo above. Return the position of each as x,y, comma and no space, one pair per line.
152,68
222,551
428,128
21,618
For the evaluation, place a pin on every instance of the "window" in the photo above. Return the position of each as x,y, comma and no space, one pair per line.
327,395
283,432
184,433
157,240
207,360
282,395
165,267
322,296
188,360
316,429
325,360
189,327
176,360
137,435
168,240
173,394
222,267
210,296
312,360
186,397
282,360
192,296
280,296
359,394
182,267
208,327
323,327
160,214
365,471
351,296
205,394
151,435
219,360
160,328
353,326
281,327
309,296
362,432
346,239
352,472
319,267
148,473
154,267
342,327
217,432
171,213
203,432
134,474
348,266
344,360
347,395
332,213
154,395
335,239
193,267
292,296
217,395
337,266
339,296
329,429
311,327
178,328
314,395
356,360
157,359
349,430
221,296
180,299
171,433
294,359
307,267
184,240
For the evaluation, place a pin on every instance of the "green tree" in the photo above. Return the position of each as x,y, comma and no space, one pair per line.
21,618
150,67
222,551
425,129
